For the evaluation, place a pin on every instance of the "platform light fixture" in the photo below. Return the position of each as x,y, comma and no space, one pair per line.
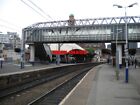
126,39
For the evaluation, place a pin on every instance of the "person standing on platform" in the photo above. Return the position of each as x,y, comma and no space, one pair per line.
1,62
136,63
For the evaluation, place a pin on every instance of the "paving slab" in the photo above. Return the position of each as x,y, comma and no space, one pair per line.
11,68
100,87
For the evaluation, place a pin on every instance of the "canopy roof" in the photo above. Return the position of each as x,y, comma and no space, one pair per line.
65,47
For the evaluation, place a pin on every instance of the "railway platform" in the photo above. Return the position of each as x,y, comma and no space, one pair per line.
11,68
100,87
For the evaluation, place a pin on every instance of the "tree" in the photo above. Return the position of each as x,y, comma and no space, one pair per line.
90,50
90,54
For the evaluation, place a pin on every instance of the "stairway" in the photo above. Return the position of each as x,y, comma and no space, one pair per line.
40,53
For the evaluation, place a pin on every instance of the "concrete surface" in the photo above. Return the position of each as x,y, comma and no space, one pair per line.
100,87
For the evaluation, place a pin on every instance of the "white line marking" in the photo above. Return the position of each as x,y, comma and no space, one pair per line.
63,101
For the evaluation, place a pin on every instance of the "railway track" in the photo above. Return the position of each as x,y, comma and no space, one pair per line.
56,95
19,88
40,88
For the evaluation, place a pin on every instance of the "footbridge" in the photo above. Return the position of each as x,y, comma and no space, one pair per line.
97,30
84,30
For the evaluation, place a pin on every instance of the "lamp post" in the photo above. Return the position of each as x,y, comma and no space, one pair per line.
126,39
22,51
117,54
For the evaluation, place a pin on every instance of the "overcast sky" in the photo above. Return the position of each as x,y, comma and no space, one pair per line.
15,14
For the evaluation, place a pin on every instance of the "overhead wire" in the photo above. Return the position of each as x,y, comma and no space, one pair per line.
6,25
15,27
40,9
33,9
7,22
9,27
44,16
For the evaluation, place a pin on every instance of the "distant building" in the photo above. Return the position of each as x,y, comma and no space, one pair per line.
10,40
8,43
14,39
4,38
133,45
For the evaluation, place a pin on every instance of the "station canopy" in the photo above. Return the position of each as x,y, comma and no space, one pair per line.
67,48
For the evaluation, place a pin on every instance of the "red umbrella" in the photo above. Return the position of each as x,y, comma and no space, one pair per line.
78,52
61,52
